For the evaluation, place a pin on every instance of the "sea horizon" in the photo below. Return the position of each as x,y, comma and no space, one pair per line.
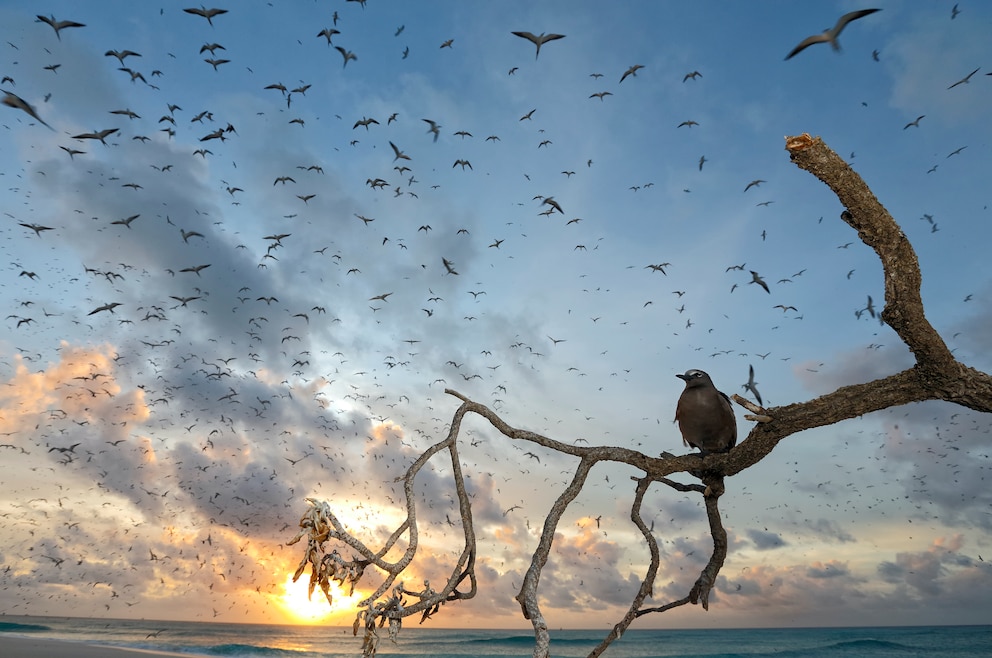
347,627
253,639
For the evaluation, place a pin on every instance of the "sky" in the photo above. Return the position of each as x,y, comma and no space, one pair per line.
219,310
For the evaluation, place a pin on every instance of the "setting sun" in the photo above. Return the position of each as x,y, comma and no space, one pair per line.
299,608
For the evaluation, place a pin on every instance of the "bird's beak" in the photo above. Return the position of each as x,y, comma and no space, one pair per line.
681,376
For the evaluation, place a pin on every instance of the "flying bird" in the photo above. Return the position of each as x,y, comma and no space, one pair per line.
704,414
106,307
965,80
37,228
631,71
830,35
347,54
18,103
915,123
100,135
538,40
756,278
58,26
206,13
434,128
327,33
751,385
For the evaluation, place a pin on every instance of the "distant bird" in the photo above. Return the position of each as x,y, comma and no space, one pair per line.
106,307
214,62
965,80
538,40
693,75
206,13
37,228
195,269
702,159
18,103
400,155
434,128
364,121
58,26
327,33
756,278
751,385
915,123
449,266
600,94
631,71
755,183
830,35
101,135
704,414
121,54
347,54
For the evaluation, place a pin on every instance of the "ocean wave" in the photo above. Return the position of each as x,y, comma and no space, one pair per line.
245,650
874,645
13,627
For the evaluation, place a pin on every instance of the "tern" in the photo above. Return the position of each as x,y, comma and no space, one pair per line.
538,40
58,25
830,35
206,13
16,102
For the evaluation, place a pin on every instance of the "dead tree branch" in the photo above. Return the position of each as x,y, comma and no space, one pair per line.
936,375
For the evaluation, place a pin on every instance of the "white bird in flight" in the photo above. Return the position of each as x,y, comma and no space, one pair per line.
830,35
538,40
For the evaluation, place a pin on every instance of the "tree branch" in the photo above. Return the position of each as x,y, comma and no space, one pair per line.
936,375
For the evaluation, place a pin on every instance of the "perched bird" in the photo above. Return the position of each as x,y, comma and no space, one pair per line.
830,35
538,40
704,414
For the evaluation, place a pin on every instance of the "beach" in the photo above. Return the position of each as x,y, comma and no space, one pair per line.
32,647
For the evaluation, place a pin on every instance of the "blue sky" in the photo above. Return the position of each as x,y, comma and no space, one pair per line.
205,410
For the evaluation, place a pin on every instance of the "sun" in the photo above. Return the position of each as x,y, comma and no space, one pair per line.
300,609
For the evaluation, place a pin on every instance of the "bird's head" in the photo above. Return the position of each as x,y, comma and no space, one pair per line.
694,378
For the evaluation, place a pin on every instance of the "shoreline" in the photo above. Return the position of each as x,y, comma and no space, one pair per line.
19,646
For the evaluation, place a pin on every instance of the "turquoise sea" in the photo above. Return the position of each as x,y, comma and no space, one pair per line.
255,640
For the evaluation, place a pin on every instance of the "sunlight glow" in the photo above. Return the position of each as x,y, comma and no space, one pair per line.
300,609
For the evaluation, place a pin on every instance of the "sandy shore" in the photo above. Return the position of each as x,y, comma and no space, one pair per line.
29,647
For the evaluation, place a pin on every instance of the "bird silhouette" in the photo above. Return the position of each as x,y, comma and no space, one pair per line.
830,35
538,39
58,26
18,103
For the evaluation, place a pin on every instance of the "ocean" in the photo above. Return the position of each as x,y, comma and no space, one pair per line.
256,640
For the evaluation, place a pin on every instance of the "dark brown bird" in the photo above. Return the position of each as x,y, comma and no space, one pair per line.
704,414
